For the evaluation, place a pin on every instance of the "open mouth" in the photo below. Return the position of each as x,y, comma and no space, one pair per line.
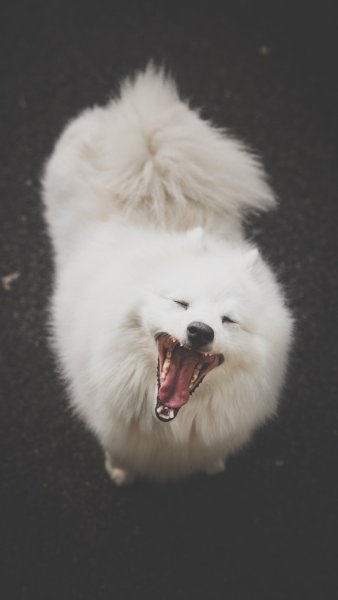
180,371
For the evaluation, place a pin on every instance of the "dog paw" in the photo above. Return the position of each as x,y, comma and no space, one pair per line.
216,467
120,477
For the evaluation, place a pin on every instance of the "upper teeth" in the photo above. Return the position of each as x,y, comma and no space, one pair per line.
195,375
167,361
166,365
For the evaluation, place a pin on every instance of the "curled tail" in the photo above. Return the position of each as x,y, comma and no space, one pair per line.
149,155
169,155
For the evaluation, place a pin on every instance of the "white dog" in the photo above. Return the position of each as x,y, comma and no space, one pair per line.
170,329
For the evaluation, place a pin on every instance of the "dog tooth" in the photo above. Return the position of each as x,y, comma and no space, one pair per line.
166,363
195,375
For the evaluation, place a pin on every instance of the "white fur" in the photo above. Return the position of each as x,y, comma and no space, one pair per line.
144,203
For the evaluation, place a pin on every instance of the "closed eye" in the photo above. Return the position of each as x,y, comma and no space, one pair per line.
226,319
182,303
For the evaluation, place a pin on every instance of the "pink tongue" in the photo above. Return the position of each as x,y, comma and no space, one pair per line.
174,391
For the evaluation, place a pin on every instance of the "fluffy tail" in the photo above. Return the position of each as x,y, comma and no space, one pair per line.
168,154
147,153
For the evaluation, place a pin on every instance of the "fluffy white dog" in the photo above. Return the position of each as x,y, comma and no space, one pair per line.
170,329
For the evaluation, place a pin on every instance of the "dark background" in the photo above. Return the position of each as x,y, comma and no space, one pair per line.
267,528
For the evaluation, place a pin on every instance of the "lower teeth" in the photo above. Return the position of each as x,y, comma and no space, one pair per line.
165,412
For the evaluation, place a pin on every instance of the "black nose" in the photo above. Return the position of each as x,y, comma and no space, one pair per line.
199,334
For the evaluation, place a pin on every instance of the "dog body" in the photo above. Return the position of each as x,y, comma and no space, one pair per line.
162,311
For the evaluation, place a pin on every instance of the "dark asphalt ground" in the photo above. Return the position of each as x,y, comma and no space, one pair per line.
267,528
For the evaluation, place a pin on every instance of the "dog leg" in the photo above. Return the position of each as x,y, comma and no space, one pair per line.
216,467
120,477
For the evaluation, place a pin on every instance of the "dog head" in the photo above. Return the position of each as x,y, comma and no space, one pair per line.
212,309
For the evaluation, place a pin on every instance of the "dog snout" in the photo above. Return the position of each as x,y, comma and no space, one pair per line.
199,334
